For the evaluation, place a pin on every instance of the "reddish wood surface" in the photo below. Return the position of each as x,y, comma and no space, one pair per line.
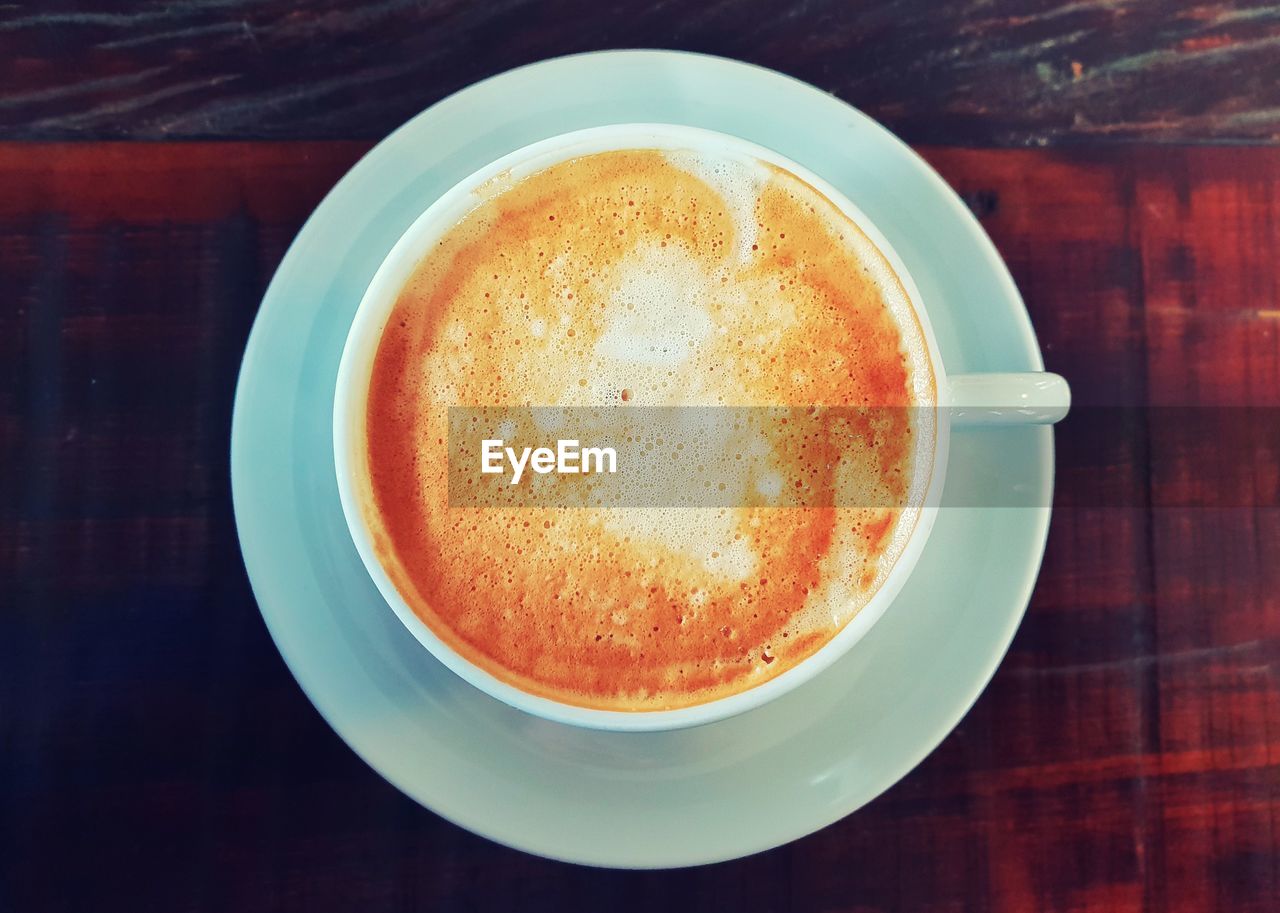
156,755
987,72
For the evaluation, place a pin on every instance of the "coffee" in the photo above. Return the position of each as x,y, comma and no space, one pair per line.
629,279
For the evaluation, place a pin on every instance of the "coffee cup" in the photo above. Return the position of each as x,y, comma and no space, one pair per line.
960,400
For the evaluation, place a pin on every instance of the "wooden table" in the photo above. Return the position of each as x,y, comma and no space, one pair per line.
155,754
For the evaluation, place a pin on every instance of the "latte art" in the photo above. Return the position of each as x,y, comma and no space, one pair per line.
648,278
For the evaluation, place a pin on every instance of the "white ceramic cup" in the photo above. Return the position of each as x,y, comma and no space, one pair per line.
978,399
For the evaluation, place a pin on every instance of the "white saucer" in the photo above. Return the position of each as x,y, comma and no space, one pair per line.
632,800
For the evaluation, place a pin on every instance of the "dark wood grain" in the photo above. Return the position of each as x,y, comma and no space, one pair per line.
973,72
156,755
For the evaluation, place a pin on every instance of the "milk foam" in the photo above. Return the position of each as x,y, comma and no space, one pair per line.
644,278
738,182
656,314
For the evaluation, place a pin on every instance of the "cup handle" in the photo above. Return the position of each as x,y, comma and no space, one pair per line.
1008,399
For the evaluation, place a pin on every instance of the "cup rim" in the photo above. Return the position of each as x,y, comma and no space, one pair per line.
352,389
